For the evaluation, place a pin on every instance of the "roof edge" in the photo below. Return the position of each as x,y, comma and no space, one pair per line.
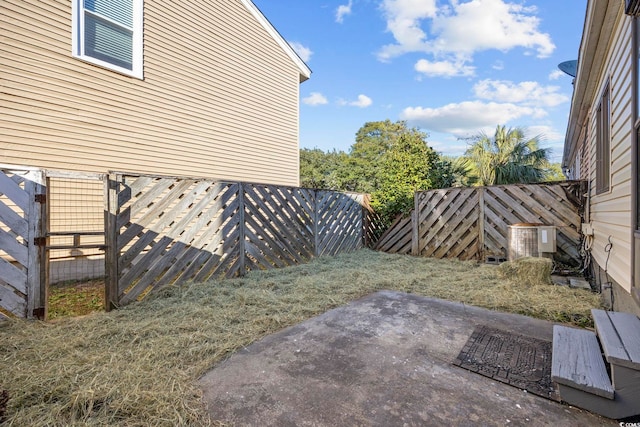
305,71
599,21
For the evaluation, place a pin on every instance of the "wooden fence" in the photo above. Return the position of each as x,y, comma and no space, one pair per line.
159,230
472,223
168,230
22,231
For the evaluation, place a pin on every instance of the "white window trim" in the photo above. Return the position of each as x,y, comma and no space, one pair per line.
78,40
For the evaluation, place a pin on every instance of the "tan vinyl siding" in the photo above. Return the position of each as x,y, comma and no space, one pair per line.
611,211
219,96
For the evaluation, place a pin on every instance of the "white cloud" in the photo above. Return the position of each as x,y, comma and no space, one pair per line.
466,118
315,98
525,93
363,101
303,52
491,24
462,29
551,138
403,21
498,65
547,133
556,74
343,10
443,68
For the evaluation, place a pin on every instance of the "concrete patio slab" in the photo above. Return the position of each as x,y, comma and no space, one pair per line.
384,360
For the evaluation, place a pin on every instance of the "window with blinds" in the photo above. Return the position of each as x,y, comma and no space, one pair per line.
109,33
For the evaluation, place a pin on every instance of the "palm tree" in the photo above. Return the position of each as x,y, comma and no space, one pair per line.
507,158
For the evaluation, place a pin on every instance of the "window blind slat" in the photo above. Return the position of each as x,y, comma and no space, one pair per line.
107,42
120,11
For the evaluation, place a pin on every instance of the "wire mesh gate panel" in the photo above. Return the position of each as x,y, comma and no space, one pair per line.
22,231
169,230
76,227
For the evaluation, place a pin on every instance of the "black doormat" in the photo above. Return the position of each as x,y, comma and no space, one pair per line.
517,360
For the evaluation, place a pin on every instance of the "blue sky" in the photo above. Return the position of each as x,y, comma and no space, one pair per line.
452,68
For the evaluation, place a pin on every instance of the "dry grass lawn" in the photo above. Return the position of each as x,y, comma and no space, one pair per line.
137,366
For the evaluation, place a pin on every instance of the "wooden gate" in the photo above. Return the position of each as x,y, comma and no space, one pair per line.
169,230
472,223
22,242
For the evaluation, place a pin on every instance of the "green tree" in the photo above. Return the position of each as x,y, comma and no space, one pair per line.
407,166
452,172
388,160
319,169
509,157
363,170
553,172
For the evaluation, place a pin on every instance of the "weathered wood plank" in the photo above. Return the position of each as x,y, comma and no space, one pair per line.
14,193
13,303
14,221
619,334
577,362
611,344
628,327
37,273
14,276
13,248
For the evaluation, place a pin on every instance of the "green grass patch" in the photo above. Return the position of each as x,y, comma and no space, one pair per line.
138,366
75,298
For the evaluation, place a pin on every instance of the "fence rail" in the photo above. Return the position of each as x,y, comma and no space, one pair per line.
168,230
472,223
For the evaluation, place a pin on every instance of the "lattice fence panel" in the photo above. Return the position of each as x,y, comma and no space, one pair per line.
449,223
167,230
548,204
171,230
373,223
278,226
339,223
22,219
472,223
398,237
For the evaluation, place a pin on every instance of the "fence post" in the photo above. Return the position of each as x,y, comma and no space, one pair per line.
316,231
481,224
35,187
365,219
415,226
242,225
111,186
